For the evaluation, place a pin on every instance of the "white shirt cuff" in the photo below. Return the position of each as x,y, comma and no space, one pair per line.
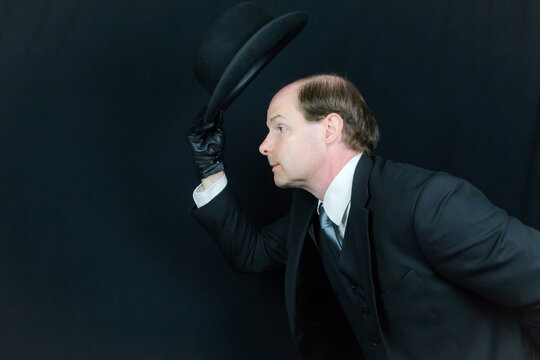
203,197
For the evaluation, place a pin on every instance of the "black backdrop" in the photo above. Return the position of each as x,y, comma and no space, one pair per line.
98,255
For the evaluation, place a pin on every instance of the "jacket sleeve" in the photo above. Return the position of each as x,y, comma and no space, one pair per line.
245,247
477,245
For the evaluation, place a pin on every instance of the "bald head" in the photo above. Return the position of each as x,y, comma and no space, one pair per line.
322,94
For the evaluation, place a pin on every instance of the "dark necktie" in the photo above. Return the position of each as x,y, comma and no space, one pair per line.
329,230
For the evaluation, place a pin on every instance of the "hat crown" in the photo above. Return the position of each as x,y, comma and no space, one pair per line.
237,47
224,39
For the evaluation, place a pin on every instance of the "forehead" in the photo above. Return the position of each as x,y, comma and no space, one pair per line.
285,99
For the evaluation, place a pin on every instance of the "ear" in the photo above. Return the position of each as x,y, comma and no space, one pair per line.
333,126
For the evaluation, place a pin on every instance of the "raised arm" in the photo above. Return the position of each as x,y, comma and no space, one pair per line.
246,247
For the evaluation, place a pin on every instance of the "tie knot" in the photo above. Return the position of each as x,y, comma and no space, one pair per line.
329,230
324,219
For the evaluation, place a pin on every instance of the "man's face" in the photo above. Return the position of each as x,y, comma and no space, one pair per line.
293,145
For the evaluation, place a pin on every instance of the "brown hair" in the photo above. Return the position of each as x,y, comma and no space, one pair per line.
323,94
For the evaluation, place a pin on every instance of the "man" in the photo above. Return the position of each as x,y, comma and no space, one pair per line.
383,260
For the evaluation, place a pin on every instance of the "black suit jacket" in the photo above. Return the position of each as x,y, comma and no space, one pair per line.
441,272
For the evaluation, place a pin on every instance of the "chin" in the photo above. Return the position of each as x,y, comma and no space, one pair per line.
280,183
285,184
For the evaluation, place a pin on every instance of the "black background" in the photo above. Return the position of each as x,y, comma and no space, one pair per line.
99,258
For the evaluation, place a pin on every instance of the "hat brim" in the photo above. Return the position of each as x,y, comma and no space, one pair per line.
258,51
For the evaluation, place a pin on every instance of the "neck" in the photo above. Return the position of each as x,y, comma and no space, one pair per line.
328,171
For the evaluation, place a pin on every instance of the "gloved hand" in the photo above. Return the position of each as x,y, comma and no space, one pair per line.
207,142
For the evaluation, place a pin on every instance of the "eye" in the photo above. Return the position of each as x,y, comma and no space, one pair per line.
281,128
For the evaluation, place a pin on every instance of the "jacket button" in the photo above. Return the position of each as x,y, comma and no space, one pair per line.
354,284
365,312
376,340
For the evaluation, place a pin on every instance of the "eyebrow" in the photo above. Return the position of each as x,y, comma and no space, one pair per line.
274,117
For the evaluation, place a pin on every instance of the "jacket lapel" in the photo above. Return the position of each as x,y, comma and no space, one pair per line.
302,208
355,259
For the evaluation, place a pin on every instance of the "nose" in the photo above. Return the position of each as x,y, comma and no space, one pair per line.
265,148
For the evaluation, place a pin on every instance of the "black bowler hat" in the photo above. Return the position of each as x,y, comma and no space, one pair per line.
237,46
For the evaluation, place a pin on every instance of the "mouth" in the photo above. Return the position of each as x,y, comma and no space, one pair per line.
273,166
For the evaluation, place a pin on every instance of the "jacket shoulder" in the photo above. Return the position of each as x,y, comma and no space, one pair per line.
387,174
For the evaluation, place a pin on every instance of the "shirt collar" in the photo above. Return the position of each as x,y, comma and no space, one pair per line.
338,195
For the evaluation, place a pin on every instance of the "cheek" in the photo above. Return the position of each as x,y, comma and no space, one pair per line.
312,148
298,151
306,155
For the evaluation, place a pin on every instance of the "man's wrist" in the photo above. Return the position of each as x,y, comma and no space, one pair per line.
210,180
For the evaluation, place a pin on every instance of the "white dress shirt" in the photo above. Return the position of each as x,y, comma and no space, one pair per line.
337,199
203,197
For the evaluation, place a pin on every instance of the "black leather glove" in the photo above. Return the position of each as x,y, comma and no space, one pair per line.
207,141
